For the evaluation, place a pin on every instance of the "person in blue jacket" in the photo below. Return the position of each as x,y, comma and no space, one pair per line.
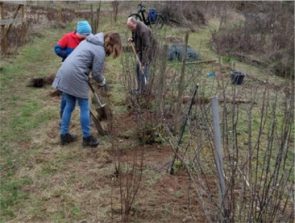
71,40
68,43
73,76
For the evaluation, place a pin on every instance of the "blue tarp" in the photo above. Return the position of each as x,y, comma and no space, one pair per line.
175,52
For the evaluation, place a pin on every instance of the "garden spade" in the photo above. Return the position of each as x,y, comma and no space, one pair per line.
102,110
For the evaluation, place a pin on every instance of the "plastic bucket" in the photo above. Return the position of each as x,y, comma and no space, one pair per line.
237,77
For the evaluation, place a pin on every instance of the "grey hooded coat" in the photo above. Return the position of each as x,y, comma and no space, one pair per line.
72,76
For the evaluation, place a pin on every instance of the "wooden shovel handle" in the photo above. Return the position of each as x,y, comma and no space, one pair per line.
95,94
137,58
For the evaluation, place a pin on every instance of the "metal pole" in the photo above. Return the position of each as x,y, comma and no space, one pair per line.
218,153
182,130
181,85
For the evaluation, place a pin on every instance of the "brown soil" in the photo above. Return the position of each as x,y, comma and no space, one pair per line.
162,197
71,176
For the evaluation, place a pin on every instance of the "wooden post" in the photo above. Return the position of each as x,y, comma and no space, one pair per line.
162,81
111,18
59,14
181,86
98,16
91,18
23,13
233,65
11,24
115,5
3,50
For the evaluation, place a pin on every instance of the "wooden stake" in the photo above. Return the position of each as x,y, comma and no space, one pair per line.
3,50
162,81
181,86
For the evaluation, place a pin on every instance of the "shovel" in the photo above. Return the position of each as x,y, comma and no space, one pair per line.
102,110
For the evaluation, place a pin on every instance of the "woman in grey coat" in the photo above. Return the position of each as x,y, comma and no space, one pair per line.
72,79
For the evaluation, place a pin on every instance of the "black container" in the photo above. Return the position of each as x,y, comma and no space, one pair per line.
237,77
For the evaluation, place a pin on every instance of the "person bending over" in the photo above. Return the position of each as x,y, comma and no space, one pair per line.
73,76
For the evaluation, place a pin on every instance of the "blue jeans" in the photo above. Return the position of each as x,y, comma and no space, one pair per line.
67,114
142,77
62,105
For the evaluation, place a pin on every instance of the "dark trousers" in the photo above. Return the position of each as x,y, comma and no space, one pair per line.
142,78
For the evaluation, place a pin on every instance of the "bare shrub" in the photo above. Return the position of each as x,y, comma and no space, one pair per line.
129,175
183,13
257,157
256,138
17,37
267,33
37,17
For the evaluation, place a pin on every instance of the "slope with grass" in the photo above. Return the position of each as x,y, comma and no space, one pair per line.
42,181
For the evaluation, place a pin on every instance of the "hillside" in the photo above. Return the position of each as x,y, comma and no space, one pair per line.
126,178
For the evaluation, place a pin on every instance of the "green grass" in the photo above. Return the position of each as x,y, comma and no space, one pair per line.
29,117
22,111
25,112
11,194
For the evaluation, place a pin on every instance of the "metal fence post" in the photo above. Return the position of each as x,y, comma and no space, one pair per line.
218,153
181,85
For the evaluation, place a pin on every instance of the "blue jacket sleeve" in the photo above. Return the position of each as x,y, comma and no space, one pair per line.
62,52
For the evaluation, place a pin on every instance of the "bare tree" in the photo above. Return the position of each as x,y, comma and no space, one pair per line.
115,5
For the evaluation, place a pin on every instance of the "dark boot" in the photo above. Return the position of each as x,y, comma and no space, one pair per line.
90,141
67,138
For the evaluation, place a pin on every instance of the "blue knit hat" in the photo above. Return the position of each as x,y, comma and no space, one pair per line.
83,28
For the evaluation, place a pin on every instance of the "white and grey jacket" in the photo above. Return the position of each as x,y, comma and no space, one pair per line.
72,76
